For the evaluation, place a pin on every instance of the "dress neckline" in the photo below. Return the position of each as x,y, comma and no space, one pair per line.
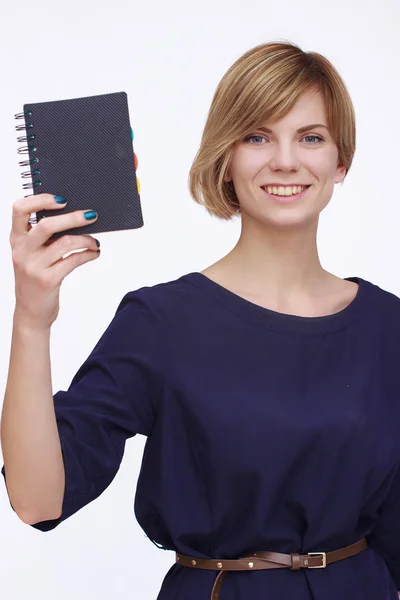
266,317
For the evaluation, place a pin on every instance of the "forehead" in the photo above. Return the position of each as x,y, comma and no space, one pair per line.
309,108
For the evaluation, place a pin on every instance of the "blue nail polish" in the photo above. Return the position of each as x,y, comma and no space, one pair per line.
60,199
90,214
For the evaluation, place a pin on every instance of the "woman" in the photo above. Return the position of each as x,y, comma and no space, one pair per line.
265,385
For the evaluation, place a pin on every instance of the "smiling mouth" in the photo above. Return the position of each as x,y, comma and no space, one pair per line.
287,199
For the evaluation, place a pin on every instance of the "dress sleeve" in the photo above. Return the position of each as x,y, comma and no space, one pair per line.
112,397
385,538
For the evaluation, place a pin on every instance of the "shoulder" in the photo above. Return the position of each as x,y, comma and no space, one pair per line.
160,299
384,305
145,315
382,297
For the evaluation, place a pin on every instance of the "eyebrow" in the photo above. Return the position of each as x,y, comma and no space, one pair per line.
301,130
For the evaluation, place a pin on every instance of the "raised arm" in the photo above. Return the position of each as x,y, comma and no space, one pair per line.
29,435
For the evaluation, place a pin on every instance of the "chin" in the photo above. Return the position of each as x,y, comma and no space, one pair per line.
295,216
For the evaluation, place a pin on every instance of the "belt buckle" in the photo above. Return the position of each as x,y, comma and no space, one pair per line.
323,559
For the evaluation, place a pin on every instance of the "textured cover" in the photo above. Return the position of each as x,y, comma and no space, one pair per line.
85,152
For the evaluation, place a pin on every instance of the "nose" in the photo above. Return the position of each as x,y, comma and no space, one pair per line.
284,157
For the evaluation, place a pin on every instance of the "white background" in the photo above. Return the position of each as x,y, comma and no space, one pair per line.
169,57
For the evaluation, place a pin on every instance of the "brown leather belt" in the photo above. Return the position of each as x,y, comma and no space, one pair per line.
268,560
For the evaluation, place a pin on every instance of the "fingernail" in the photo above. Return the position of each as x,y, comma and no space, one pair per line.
60,199
97,242
90,214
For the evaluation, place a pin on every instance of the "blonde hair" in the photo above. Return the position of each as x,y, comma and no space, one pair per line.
264,85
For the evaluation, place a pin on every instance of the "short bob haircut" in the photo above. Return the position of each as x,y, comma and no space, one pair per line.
262,86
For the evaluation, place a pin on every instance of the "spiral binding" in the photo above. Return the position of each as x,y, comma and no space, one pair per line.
28,149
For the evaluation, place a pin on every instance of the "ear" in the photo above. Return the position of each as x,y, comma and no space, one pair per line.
340,174
227,177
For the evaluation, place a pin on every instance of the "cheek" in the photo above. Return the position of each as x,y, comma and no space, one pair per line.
326,161
247,164
322,165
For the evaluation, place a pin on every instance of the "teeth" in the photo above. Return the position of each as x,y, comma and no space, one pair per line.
285,191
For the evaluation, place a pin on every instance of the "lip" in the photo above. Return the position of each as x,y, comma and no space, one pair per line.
286,199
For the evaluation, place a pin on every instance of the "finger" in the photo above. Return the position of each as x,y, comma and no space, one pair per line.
65,266
54,252
24,207
41,233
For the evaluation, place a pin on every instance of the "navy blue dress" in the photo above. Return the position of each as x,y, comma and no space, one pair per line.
265,431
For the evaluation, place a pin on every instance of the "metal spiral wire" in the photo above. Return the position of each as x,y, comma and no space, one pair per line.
30,149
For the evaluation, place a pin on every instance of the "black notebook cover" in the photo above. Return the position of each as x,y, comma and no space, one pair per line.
85,153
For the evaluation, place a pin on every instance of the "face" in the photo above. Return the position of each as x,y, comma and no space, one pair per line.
287,157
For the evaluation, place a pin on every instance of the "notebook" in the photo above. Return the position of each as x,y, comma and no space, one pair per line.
82,149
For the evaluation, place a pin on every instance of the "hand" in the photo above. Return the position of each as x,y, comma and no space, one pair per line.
39,266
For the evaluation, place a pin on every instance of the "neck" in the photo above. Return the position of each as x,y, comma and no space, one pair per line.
283,261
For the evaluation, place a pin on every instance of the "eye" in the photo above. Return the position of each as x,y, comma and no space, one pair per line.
314,136
252,137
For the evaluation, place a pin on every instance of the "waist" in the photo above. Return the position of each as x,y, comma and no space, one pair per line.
268,560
